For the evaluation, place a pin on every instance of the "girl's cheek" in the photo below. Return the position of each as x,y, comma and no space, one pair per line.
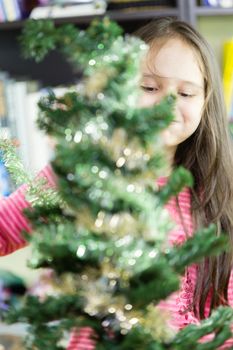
146,100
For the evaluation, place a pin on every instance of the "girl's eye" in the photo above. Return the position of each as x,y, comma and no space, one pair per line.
184,94
148,88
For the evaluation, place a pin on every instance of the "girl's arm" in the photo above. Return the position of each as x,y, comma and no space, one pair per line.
12,219
12,223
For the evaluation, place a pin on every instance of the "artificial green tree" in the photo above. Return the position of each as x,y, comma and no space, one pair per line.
104,232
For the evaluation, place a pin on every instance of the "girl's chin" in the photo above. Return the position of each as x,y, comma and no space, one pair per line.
169,139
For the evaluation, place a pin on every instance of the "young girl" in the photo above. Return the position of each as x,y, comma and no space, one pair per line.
179,61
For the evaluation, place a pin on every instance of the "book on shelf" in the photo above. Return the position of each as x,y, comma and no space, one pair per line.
5,183
228,76
3,107
139,4
18,114
4,131
18,101
10,10
83,8
2,12
217,3
21,116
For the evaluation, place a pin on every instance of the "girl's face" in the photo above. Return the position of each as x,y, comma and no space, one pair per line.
173,67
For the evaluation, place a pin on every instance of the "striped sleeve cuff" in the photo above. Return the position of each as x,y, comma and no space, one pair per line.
12,220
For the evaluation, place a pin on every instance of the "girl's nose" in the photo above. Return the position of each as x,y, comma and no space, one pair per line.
163,94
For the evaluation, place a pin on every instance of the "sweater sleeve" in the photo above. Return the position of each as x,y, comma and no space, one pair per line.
12,219
82,339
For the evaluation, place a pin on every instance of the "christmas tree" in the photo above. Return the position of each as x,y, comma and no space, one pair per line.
104,232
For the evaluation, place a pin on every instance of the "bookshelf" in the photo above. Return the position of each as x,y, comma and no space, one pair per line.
62,73
48,73
208,11
119,16
194,11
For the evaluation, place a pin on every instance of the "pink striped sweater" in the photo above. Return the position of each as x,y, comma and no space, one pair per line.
12,222
179,304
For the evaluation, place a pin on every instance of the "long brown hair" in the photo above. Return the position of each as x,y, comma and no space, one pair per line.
208,154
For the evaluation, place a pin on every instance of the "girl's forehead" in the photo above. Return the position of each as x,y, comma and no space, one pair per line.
173,59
